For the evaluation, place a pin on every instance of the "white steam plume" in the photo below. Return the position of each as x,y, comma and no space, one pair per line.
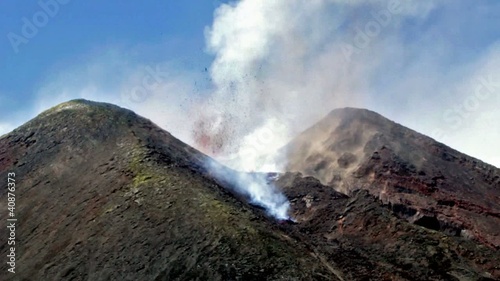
255,187
280,66
290,62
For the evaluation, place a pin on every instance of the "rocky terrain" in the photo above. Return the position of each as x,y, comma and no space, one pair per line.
421,180
104,194
363,238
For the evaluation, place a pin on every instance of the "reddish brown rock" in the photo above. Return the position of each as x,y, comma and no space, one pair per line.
422,180
104,194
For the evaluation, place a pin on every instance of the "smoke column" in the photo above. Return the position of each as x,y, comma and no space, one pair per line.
263,84
279,66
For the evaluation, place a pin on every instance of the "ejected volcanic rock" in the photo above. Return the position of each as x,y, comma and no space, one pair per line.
421,180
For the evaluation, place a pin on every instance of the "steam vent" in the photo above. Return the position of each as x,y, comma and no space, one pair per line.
105,194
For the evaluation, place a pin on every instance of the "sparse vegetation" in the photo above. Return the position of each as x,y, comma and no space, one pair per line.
132,203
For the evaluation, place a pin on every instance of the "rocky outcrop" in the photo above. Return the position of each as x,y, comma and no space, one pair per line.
421,180
362,236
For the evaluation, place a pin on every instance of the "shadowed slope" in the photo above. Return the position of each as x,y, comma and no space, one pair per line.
103,194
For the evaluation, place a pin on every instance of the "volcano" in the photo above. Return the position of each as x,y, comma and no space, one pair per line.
104,194
422,180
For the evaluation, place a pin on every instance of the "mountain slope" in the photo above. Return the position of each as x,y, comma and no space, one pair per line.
422,180
104,194
363,237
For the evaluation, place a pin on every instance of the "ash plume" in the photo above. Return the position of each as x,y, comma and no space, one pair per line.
289,63
279,66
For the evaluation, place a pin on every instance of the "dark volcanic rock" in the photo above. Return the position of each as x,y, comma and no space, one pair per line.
365,239
103,194
420,179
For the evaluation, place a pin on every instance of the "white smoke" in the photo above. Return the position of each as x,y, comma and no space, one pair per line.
264,193
294,61
255,187
279,67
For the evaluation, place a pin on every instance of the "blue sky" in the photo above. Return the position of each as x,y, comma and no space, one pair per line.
256,61
83,28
